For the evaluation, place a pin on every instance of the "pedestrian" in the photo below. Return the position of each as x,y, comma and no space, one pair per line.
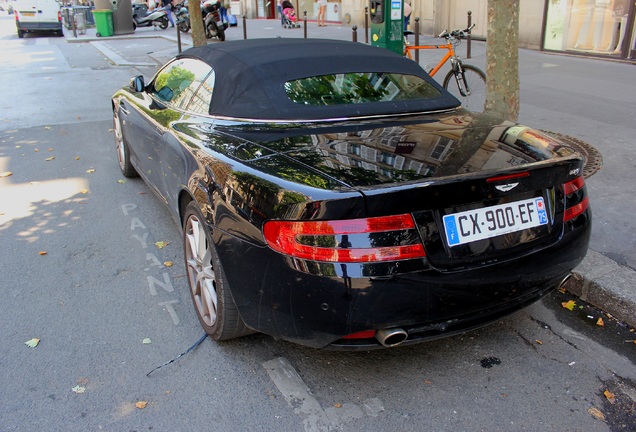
322,10
225,5
407,15
279,6
167,4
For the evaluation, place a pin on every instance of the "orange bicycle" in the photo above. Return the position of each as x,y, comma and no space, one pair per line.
469,81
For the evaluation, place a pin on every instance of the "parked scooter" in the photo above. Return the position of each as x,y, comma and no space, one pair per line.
158,17
212,20
183,16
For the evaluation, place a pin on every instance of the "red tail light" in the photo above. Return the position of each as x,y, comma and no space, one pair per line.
59,16
576,200
287,238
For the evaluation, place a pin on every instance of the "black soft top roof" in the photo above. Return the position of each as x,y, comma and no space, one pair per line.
250,77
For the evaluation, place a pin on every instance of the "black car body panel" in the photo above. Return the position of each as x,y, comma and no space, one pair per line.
246,173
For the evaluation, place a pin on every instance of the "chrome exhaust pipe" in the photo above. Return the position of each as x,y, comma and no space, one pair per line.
391,337
563,282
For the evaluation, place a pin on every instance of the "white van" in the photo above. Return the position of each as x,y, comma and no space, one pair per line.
38,16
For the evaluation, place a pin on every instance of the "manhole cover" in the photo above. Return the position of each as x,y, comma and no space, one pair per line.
593,158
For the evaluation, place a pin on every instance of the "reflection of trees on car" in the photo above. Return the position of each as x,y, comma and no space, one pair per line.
177,80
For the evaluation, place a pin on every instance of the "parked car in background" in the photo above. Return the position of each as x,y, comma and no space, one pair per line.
38,16
334,195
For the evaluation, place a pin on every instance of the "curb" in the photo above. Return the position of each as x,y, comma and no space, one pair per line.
607,285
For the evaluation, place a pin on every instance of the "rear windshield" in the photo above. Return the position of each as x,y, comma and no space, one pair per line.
358,88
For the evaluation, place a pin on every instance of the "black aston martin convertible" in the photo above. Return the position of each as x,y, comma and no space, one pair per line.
332,194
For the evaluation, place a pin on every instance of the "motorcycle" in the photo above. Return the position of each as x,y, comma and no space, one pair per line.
142,18
183,17
212,20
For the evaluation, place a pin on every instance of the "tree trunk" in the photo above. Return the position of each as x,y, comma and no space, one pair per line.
502,59
196,21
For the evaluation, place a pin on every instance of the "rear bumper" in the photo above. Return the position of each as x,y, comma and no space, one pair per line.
39,26
317,305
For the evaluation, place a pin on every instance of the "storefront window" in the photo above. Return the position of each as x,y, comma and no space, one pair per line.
586,26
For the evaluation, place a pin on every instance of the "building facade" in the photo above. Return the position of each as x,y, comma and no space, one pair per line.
601,28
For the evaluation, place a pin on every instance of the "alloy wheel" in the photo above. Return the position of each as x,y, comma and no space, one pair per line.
200,271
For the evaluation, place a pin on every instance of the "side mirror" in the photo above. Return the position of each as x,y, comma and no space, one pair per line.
137,83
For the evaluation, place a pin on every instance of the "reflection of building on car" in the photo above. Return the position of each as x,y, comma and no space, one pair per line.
384,214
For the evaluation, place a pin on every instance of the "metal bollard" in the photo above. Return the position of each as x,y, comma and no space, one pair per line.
416,30
468,38
305,23
178,39
366,24
354,33
244,28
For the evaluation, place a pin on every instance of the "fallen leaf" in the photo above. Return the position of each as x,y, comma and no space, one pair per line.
168,263
121,181
428,382
610,396
79,118
161,245
596,414
50,159
538,342
77,158
6,174
32,343
600,322
90,171
569,305
42,253
146,341
338,405
79,389
84,191
141,404
36,150
50,149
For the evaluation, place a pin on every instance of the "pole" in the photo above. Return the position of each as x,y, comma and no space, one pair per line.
417,39
354,33
366,25
244,28
178,39
468,38
305,23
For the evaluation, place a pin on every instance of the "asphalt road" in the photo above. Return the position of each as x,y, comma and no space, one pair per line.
103,287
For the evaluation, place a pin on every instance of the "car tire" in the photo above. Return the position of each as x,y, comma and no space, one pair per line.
123,153
20,33
209,290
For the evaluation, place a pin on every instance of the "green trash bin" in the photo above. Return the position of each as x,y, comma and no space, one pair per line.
103,22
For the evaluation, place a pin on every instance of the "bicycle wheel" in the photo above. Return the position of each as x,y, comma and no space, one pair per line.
475,81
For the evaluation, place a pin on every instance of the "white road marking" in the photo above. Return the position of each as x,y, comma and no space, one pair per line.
299,397
297,394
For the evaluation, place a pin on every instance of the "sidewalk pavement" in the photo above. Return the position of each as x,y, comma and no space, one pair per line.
598,280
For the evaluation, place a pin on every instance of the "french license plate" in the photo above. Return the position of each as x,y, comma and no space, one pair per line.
28,14
478,224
